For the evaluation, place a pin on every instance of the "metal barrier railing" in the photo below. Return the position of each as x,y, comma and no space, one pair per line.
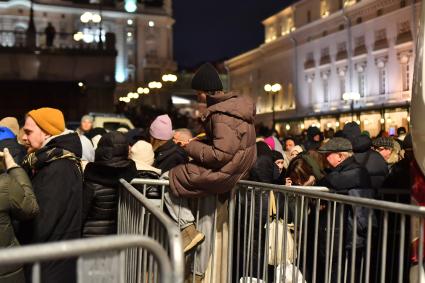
138,215
98,259
335,237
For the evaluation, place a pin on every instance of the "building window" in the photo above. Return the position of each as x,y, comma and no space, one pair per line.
379,12
382,81
309,78
324,9
270,34
359,20
341,27
324,33
362,83
403,27
405,72
380,35
308,16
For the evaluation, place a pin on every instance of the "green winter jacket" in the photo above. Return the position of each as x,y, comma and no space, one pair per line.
17,202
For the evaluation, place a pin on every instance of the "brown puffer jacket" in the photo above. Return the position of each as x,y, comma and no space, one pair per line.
217,166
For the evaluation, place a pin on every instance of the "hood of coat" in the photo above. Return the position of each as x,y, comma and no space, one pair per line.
232,104
108,175
113,150
70,142
361,143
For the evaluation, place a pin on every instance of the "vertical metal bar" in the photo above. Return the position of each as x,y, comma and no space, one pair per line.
300,238
266,244
260,229
340,243
369,244
245,250
328,236
231,238
284,254
316,231
295,239
354,244
331,259
305,235
36,272
238,239
384,246
401,255
214,234
162,197
195,256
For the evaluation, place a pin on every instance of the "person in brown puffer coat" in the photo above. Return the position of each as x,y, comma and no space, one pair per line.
229,152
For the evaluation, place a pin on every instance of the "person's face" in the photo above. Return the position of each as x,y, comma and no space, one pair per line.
289,144
33,136
316,138
385,152
202,97
86,125
334,158
279,164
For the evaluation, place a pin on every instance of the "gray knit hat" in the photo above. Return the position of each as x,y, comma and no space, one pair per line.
336,145
207,79
383,142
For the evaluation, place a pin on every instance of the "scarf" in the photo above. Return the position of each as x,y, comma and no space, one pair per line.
36,160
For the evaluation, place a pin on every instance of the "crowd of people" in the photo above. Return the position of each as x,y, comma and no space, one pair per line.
58,184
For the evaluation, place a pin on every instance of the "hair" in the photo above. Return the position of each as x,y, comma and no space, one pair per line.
299,171
318,158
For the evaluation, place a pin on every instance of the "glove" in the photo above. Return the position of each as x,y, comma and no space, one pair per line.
8,160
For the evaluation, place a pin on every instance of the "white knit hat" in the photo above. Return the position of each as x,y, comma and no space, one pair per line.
142,154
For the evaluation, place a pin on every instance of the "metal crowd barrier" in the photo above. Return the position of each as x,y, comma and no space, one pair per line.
138,215
335,237
98,259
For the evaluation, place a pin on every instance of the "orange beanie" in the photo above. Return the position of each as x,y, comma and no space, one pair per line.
49,120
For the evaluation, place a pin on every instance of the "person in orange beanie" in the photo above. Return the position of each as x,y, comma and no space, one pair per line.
53,163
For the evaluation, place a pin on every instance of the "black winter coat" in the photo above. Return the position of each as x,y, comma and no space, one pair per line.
169,155
373,161
352,179
58,187
100,197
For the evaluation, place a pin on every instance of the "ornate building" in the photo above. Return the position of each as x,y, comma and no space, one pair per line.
337,61
106,48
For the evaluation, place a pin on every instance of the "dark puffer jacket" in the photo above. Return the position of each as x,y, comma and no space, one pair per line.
17,202
229,153
101,184
168,156
373,161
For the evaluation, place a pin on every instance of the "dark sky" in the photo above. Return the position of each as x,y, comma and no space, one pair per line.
212,30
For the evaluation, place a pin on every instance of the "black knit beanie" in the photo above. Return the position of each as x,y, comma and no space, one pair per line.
207,79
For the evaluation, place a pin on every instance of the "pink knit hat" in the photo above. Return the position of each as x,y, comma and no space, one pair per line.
161,128
270,142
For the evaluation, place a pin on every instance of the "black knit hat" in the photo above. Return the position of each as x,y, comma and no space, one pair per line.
207,79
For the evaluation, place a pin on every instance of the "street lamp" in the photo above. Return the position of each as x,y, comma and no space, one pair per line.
351,96
169,78
273,90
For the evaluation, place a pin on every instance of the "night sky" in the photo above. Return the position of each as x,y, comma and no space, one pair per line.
215,30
